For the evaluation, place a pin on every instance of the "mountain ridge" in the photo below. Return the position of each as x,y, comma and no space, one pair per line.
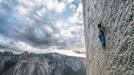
40,64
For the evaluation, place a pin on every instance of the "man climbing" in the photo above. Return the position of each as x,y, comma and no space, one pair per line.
102,36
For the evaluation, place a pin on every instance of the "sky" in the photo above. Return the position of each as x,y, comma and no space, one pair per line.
41,26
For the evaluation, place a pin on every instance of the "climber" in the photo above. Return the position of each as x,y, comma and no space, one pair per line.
102,36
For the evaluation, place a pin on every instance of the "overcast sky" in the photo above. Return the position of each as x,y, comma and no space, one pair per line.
41,25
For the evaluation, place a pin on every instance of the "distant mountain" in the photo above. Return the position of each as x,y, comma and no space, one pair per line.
40,64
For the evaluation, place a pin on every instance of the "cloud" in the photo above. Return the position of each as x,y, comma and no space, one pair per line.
69,1
22,10
60,7
79,9
55,5
31,25
74,18
77,16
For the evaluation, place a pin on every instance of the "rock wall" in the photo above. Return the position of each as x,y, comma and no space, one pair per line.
117,17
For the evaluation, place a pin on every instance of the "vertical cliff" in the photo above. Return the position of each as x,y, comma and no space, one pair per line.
117,17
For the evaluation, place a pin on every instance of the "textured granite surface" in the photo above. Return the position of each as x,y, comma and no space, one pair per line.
117,17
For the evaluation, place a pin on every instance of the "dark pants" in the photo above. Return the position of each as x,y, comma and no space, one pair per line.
102,39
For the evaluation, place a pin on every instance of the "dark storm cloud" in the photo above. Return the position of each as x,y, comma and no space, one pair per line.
3,47
38,35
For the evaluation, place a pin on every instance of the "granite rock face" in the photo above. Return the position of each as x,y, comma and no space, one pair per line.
117,17
41,64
